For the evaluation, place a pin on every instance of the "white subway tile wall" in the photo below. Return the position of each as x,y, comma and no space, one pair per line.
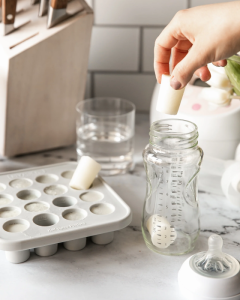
121,55
204,2
136,12
114,49
137,88
149,37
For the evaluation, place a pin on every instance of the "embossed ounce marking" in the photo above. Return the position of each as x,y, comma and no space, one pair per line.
67,227
26,174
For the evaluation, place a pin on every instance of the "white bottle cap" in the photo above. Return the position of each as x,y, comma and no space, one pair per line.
169,99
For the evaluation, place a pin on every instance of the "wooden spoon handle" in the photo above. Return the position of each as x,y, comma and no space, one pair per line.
59,4
8,11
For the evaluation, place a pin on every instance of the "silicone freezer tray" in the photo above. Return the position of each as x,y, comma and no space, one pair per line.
38,209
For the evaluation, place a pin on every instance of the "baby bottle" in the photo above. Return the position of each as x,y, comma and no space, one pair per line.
172,159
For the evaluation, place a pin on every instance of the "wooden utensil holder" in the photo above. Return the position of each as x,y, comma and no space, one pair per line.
42,78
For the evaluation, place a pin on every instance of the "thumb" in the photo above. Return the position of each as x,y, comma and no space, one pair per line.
184,70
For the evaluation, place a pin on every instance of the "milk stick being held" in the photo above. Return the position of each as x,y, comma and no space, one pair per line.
169,99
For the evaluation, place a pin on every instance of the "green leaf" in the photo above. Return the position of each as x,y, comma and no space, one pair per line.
233,72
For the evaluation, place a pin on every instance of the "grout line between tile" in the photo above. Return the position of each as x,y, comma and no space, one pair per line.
140,52
92,92
122,72
93,8
129,26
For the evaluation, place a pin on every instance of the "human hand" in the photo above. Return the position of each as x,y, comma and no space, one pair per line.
197,36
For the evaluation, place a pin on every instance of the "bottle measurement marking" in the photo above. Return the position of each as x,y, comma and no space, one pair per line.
168,198
176,184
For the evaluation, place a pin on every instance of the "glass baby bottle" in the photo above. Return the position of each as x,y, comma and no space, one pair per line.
172,160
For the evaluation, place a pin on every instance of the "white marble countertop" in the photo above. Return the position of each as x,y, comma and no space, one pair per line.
124,269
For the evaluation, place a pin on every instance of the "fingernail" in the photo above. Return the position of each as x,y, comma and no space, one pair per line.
176,85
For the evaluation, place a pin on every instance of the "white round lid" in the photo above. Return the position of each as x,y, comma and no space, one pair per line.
210,275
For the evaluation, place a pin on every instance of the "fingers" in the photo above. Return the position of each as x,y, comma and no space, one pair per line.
180,51
195,59
161,61
203,73
162,52
220,63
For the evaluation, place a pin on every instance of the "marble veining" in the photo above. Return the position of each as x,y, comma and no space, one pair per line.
124,269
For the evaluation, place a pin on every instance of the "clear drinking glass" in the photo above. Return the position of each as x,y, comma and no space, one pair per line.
105,131
172,160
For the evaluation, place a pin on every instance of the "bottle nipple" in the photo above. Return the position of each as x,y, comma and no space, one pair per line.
214,262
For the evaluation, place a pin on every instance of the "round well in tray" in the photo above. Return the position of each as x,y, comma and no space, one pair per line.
5,199
74,214
64,201
47,178
45,219
54,190
36,206
67,174
28,194
20,183
17,225
91,196
9,212
102,209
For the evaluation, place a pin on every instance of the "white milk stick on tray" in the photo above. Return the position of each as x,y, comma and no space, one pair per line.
85,173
